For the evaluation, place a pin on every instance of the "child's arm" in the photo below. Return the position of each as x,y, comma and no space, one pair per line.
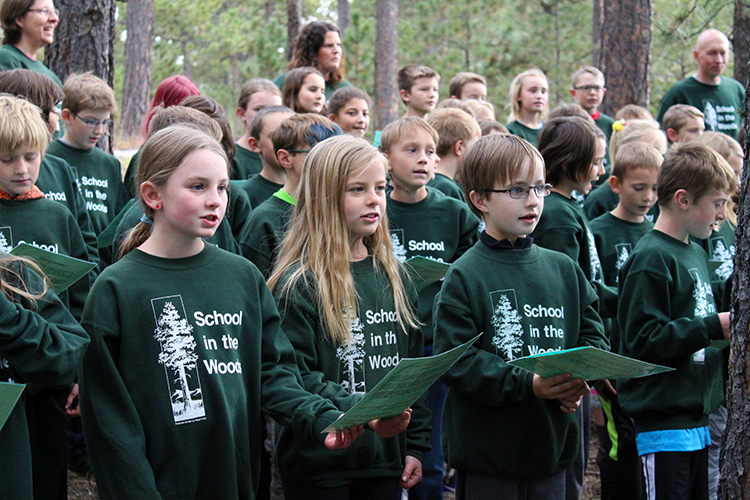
469,231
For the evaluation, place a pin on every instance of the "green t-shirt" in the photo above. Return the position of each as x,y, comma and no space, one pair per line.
722,104
180,368
668,316
344,373
524,301
264,231
259,189
40,343
448,186
524,132
246,163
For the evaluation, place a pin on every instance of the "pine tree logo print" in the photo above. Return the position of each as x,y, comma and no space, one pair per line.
720,253
703,295
352,357
397,238
712,118
6,239
623,253
175,336
596,264
508,338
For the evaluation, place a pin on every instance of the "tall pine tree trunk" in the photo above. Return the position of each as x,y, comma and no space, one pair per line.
596,30
735,453
84,41
741,40
293,24
136,87
344,15
386,62
626,52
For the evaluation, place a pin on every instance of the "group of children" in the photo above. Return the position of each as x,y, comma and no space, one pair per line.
258,289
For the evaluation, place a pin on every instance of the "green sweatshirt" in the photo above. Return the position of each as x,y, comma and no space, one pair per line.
604,123
668,316
12,58
264,232
259,189
247,163
180,369
563,227
602,200
720,247
48,225
722,104
524,132
343,374
59,182
439,228
39,344
129,179
447,186
524,301
615,239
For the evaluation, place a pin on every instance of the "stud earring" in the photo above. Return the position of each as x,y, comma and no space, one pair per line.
158,207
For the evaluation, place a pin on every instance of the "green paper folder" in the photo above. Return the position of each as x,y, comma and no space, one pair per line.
9,395
424,272
400,388
61,270
107,237
587,363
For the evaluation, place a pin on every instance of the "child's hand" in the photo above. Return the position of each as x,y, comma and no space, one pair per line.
726,325
392,426
562,388
71,405
338,440
570,404
412,473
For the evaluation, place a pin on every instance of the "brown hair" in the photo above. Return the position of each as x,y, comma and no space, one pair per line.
214,110
568,146
495,159
633,112
35,87
175,115
571,109
342,96
408,75
456,85
86,91
488,126
452,125
293,83
636,155
254,86
587,70
259,120
303,131
636,131
10,10
395,131
309,41
678,115
458,104
697,169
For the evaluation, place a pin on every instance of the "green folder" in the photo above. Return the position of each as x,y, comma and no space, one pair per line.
424,272
587,363
107,237
9,395
61,270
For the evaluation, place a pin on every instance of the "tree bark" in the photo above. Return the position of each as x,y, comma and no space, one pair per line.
386,62
84,41
136,87
293,24
626,52
596,31
741,40
268,11
735,452
344,15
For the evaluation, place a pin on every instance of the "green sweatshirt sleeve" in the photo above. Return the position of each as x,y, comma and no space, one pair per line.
419,431
239,210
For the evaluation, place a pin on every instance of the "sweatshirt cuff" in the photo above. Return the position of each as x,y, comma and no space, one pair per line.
324,421
7,308
713,327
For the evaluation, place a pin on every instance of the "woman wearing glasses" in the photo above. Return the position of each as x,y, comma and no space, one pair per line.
28,26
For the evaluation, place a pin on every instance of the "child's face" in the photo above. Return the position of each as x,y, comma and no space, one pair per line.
423,96
637,190
589,92
194,199
264,146
692,130
81,134
312,94
583,185
412,161
19,170
354,117
364,200
703,217
485,113
736,163
533,97
508,217
474,90
257,101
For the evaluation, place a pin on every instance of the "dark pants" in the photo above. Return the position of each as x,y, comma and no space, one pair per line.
577,470
676,475
364,489
472,486
48,434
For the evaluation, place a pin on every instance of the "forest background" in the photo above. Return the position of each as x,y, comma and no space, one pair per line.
220,44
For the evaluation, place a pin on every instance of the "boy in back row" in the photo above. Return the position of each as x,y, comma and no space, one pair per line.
456,130
668,315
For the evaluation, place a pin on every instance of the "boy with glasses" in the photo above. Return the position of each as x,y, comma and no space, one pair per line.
588,90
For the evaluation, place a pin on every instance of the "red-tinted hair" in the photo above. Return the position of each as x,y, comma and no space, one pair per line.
170,92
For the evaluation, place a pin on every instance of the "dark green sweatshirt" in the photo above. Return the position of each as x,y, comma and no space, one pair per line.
524,302
720,247
180,369
259,189
264,231
447,186
246,163
439,228
615,239
343,374
39,344
668,316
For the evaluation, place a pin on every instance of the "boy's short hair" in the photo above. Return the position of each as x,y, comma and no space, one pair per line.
259,120
395,131
180,115
636,155
633,112
722,144
457,83
253,86
570,109
568,145
677,116
697,169
22,125
488,126
86,91
495,159
303,130
452,125
343,95
587,70
458,104
40,90
408,75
